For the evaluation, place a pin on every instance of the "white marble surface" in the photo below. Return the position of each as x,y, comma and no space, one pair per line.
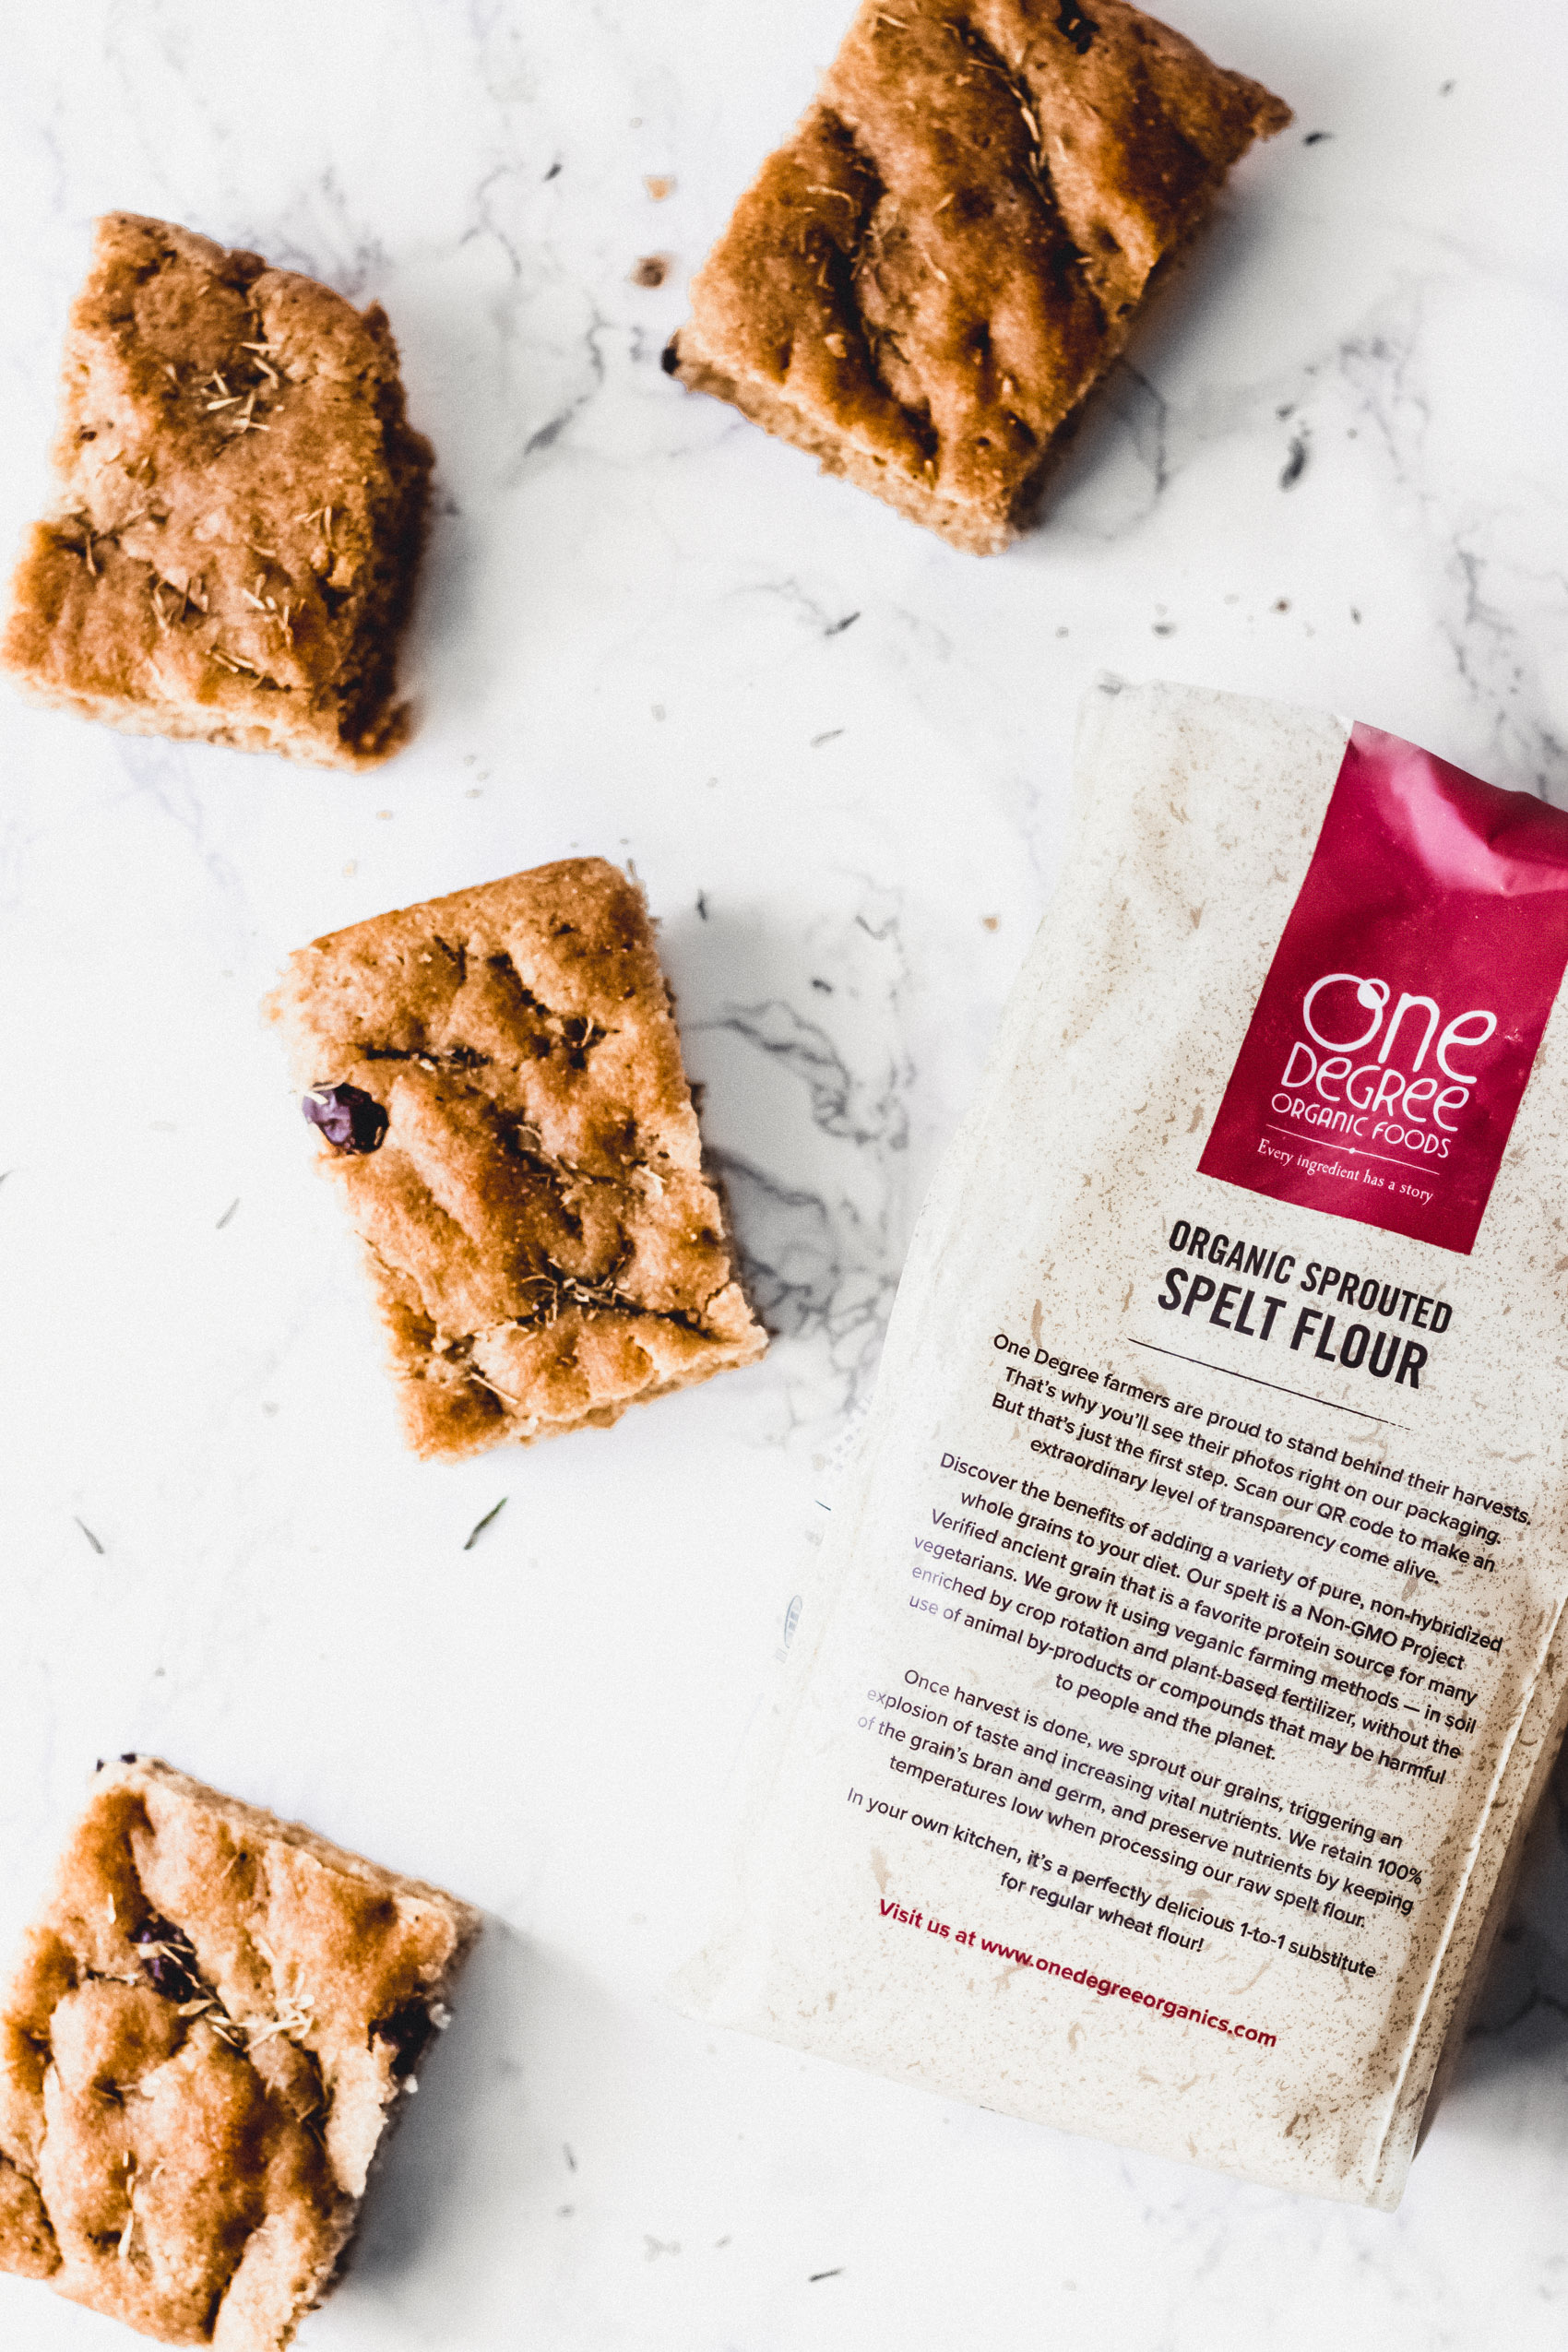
838,753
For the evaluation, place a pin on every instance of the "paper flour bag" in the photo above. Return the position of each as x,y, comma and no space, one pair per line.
1191,1650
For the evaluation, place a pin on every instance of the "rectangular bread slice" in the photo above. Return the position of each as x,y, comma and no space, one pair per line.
214,2019
241,507
921,286
498,1083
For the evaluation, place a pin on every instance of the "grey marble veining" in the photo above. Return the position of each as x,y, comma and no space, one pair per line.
1330,468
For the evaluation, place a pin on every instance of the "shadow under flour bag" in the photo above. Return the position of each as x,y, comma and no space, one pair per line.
1189,1648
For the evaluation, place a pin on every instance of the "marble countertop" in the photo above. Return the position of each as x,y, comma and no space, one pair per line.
1331,470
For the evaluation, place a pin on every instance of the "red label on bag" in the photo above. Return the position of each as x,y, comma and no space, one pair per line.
1392,1044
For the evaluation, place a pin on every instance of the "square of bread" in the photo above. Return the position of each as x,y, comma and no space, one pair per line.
241,507
214,2020
528,1175
921,286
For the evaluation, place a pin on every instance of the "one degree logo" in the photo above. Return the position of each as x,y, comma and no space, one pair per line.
1397,1096
1389,1100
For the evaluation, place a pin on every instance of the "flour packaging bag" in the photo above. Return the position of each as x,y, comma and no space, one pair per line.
1190,1652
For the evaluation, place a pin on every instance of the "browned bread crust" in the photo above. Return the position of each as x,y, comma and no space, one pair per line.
922,285
545,1244
212,2022
242,503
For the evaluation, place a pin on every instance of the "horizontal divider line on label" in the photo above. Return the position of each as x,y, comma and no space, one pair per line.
1304,1394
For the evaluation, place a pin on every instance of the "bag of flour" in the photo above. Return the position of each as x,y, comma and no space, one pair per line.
1190,1652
